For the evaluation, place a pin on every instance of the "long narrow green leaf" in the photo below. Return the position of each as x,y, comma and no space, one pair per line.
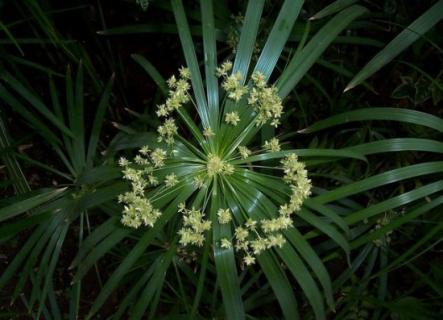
381,179
13,168
98,121
225,262
332,153
78,127
398,144
395,223
210,51
389,114
332,8
34,121
395,202
152,72
35,102
407,37
301,63
11,37
27,204
277,38
191,60
154,285
246,44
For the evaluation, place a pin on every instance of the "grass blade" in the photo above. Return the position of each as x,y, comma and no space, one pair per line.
407,37
210,50
332,8
301,63
277,38
191,60
21,205
98,121
389,114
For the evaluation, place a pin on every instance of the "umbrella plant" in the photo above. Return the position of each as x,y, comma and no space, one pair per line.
217,213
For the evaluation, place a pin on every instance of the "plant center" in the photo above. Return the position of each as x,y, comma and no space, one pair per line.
216,165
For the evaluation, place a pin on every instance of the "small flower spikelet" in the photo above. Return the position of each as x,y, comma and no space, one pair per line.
171,180
223,70
224,216
272,145
253,238
244,152
208,133
232,118
194,227
158,157
232,83
167,131
198,181
225,243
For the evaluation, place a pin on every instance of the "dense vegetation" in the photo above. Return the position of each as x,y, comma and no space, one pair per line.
221,159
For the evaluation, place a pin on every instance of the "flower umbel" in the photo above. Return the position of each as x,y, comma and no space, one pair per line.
210,163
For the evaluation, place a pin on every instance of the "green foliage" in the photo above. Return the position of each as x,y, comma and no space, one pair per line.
363,246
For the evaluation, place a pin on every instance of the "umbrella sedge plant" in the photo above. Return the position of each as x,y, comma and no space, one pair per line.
217,203
200,185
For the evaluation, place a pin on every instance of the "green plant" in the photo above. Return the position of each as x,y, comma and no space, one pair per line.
52,211
358,207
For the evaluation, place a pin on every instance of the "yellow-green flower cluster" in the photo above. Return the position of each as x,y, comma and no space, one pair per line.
138,210
223,70
244,152
265,101
167,131
296,176
225,243
171,180
194,226
208,133
224,216
198,181
232,83
215,165
232,118
252,242
272,145
178,93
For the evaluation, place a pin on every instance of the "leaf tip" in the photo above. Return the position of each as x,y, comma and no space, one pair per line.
348,87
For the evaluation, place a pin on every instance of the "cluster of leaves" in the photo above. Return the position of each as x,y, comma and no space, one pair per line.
359,247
